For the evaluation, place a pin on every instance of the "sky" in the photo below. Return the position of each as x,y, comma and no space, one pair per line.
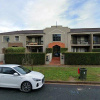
18,15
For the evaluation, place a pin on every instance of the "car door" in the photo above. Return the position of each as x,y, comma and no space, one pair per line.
8,79
0,75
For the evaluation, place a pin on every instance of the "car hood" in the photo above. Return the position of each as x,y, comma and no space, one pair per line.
35,74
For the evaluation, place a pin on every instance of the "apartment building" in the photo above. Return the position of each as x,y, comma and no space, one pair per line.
56,37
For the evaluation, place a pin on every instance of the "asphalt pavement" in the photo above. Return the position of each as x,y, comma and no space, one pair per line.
54,92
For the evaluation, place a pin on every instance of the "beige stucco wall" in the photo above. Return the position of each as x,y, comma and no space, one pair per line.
69,42
22,40
48,37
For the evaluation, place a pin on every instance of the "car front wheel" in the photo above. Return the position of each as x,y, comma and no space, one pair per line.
26,86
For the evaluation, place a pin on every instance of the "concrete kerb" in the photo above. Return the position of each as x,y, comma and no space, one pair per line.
73,83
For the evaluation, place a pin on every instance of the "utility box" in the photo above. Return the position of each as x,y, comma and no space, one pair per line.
48,58
83,73
61,58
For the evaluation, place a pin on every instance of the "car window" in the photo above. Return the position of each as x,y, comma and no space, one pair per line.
0,69
7,70
22,69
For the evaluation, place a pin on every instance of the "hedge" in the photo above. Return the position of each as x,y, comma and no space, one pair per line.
82,58
62,50
49,50
36,58
95,50
15,50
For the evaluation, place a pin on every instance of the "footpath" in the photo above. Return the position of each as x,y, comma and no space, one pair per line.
73,83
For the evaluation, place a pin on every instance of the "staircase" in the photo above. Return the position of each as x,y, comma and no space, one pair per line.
55,61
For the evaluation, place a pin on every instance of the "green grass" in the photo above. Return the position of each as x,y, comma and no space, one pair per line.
64,73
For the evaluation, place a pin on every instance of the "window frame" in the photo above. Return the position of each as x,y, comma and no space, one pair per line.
1,70
15,38
3,39
59,38
6,73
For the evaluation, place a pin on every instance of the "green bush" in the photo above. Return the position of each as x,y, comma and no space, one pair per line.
82,58
95,50
62,50
14,58
36,58
49,50
15,50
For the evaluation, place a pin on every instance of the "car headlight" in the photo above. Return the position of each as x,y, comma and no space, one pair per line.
36,79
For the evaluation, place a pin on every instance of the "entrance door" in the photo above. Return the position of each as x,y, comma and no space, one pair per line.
56,51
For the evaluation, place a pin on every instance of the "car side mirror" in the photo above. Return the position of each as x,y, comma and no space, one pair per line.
15,74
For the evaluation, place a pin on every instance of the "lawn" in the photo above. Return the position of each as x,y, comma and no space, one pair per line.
67,73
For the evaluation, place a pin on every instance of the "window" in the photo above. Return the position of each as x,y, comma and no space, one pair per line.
6,39
16,38
0,69
96,39
22,70
96,47
56,37
7,70
14,46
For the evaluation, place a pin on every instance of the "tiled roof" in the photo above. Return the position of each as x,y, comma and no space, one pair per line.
85,30
78,30
24,32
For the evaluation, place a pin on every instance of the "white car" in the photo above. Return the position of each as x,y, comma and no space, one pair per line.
16,76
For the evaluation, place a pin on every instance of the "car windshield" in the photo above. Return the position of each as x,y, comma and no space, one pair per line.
22,69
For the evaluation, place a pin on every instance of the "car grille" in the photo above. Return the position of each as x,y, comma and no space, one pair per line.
43,80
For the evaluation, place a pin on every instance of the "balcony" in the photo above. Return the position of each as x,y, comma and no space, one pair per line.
80,49
96,40
96,43
34,40
80,43
30,43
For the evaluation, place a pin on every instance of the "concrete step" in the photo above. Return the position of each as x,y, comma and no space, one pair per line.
55,61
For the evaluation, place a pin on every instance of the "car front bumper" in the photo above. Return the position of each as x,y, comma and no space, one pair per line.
38,84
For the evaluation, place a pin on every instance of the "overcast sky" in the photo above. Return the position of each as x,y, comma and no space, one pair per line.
39,14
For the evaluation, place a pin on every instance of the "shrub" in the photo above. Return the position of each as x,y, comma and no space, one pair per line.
49,50
15,50
14,58
37,58
95,50
62,50
82,58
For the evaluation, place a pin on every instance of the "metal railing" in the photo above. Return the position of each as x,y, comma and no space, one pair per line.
80,42
96,42
34,43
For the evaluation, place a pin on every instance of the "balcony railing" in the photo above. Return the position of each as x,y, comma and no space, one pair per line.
96,42
80,42
34,43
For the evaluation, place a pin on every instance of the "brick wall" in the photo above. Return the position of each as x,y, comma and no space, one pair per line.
62,45
15,44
